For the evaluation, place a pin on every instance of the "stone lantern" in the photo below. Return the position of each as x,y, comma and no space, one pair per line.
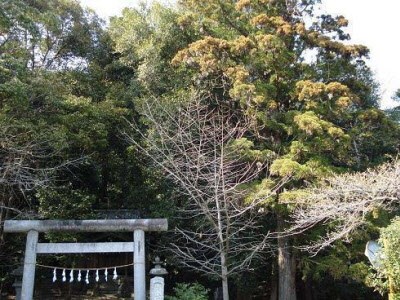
17,285
157,282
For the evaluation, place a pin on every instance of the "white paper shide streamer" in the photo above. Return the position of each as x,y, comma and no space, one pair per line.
71,276
79,276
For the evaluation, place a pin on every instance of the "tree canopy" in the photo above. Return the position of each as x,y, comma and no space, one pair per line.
287,81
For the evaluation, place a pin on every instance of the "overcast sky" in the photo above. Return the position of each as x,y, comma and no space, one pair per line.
375,24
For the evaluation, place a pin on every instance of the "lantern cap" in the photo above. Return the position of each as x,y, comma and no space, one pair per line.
158,270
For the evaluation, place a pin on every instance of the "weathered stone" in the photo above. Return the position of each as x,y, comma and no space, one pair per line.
109,247
139,267
157,288
127,225
28,279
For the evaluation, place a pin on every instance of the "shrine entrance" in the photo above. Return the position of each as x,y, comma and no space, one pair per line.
136,226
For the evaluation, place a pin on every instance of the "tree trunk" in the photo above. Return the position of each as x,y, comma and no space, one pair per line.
105,174
274,290
224,276
286,266
2,219
241,294
4,213
273,295
308,293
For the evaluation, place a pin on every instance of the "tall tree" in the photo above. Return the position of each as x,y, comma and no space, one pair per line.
203,151
63,97
38,41
147,39
29,34
303,89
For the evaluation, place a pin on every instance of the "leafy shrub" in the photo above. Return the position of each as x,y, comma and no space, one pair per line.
191,291
390,239
386,278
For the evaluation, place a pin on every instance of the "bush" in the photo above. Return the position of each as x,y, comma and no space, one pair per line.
390,239
192,291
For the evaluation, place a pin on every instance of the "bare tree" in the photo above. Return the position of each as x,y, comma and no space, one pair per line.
27,162
195,147
344,202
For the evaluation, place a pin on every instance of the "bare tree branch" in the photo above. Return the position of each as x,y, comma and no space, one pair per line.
344,202
27,162
194,148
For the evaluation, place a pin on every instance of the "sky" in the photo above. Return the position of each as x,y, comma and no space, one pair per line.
373,24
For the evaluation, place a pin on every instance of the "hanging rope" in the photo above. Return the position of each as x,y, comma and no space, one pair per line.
84,269
80,270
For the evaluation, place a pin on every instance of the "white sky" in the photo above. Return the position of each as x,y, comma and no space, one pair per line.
375,24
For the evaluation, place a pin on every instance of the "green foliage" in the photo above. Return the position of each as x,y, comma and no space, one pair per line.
386,277
245,148
394,113
47,34
359,271
310,119
148,38
67,85
64,98
286,167
257,190
193,291
390,239
65,203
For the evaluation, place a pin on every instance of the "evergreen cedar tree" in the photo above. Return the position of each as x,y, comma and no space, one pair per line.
308,93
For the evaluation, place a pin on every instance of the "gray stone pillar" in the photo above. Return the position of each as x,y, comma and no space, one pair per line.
139,271
28,279
17,273
17,286
157,288
157,283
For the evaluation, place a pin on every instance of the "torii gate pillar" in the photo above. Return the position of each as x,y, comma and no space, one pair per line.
139,267
28,279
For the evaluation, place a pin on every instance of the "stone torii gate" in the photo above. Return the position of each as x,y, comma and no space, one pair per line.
33,227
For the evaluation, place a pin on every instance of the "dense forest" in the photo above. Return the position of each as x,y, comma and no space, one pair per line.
253,126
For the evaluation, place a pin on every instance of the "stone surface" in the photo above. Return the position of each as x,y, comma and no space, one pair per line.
139,268
28,279
110,247
127,225
157,288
